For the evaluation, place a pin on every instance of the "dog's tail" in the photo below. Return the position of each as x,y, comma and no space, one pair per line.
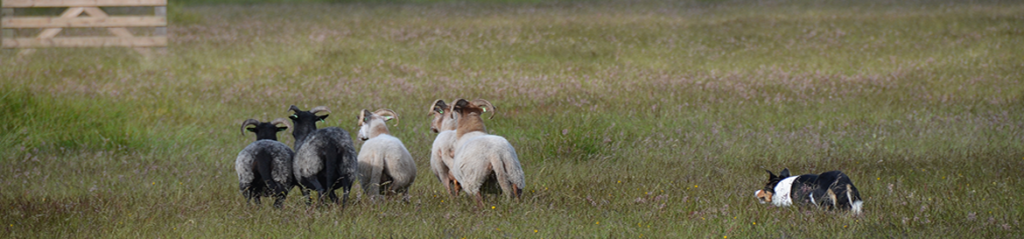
856,204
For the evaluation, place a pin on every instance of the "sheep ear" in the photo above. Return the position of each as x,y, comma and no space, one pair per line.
279,129
365,116
387,117
253,129
461,103
784,173
321,118
438,106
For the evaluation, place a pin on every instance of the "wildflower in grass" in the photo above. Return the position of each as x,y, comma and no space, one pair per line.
492,207
597,222
534,230
755,223
694,186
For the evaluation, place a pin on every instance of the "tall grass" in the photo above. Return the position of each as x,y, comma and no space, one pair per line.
631,118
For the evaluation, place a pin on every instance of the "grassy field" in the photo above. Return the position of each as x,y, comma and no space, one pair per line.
632,119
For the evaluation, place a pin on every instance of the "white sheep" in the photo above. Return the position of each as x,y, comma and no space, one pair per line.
443,149
481,159
385,165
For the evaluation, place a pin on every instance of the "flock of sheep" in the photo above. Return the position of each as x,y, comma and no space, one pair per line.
464,157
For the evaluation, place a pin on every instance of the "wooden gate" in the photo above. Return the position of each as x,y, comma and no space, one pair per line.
94,17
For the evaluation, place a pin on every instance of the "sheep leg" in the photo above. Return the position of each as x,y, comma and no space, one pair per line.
456,186
332,196
502,177
479,198
346,187
372,187
516,191
448,186
244,187
305,194
344,195
452,186
280,193
319,189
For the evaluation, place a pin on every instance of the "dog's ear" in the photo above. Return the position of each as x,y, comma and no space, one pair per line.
784,173
771,175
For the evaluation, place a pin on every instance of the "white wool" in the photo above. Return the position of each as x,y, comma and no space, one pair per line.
478,157
440,154
385,151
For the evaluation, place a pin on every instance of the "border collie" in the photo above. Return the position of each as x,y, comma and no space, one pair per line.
832,190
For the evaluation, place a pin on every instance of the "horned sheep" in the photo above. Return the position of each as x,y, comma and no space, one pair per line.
265,166
385,165
325,159
443,149
481,159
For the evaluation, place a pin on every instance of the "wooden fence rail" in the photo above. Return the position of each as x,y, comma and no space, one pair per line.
84,14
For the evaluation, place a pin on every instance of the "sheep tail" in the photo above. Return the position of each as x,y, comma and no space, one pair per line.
509,173
263,165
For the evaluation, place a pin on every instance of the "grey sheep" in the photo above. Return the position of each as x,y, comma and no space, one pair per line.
265,166
325,159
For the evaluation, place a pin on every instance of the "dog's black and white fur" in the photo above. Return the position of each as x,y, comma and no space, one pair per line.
832,190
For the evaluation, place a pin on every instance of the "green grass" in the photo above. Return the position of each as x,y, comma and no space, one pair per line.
631,118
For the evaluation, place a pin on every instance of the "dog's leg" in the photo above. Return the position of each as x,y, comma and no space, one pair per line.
832,198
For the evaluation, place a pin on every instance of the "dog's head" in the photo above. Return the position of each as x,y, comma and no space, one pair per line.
765,195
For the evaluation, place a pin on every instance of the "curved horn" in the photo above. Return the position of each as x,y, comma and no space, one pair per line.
281,121
247,123
494,110
361,116
387,111
294,108
318,109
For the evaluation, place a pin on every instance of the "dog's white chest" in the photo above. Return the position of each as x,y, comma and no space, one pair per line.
781,197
